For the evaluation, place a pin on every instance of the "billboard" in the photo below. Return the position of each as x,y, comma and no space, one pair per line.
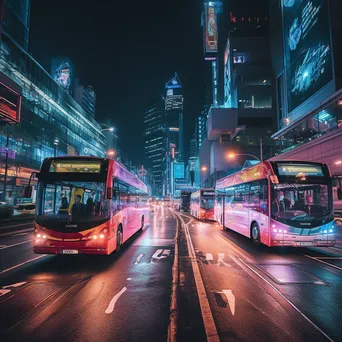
61,71
10,105
178,170
307,48
227,78
210,27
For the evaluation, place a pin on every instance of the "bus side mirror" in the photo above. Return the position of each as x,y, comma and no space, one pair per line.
109,193
28,191
339,193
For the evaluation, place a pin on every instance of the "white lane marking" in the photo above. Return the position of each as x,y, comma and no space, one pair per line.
17,225
231,300
220,261
287,300
14,285
16,244
323,262
328,258
189,223
19,234
129,278
338,249
23,263
1,246
3,292
209,257
114,300
208,319
138,259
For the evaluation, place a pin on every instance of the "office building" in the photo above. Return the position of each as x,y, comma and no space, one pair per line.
306,59
86,97
154,120
51,123
173,163
16,21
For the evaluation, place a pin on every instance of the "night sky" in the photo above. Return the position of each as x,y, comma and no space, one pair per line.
127,51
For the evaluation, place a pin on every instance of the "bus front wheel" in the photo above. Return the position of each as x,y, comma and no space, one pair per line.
119,238
255,234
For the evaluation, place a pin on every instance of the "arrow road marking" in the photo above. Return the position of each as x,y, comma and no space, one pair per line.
209,258
3,292
14,285
161,254
114,300
220,261
138,259
231,300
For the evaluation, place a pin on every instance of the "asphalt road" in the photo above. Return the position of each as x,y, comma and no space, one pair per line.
264,294
122,297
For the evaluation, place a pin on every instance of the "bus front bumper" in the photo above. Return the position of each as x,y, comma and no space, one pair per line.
70,248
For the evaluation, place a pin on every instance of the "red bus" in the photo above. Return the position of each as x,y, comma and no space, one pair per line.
87,205
202,204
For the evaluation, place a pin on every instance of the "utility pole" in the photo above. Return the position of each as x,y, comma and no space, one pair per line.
261,150
6,163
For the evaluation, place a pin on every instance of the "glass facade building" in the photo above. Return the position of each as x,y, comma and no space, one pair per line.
154,118
52,122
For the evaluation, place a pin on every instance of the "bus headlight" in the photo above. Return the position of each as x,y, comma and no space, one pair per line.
325,231
44,236
330,230
95,237
275,230
102,236
38,236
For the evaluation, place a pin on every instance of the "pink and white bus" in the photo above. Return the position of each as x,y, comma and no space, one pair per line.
279,203
87,205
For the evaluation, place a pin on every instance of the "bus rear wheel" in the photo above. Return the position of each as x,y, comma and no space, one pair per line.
119,238
142,223
255,234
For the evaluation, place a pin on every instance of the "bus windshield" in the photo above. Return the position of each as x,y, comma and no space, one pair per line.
207,202
302,205
80,203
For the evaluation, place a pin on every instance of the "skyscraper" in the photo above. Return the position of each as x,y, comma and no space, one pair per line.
16,20
154,117
173,134
86,97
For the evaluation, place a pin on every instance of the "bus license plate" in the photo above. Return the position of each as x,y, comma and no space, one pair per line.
70,251
305,243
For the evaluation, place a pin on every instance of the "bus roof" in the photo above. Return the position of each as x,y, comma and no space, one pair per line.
122,173
119,170
286,168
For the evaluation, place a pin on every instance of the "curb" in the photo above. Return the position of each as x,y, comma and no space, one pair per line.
172,329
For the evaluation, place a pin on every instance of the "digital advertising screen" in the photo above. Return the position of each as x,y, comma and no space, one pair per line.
307,48
178,170
61,70
210,25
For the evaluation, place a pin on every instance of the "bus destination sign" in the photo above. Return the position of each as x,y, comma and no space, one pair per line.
298,170
75,166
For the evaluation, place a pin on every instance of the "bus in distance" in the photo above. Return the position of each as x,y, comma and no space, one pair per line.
202,204
87,205
279,203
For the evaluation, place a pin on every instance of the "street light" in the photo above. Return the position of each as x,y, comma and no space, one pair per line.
204,168
110,129
111,153
55,143
233,155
